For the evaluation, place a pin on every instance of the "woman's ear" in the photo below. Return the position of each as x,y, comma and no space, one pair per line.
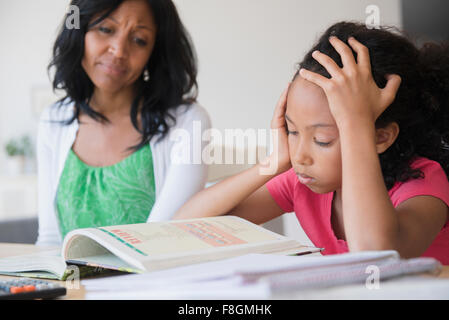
386,136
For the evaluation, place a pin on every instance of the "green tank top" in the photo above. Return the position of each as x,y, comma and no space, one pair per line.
123,193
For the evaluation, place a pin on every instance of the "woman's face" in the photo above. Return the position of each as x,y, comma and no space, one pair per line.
118,48
314,143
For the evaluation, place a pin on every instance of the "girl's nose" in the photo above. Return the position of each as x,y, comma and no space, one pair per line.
302,155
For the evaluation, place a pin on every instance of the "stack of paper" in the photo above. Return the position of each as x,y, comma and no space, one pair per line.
258,276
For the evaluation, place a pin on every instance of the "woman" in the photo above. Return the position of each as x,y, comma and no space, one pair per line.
104,150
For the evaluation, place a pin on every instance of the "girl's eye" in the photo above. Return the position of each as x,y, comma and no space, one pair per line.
322,144
293,133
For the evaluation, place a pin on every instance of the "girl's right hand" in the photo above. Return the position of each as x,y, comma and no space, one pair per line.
279,160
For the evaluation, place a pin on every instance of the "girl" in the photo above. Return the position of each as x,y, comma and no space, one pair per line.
363,152
104,151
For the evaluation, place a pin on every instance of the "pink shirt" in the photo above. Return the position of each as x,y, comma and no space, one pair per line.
314,210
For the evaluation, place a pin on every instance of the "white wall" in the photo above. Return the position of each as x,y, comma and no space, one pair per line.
27,31
248,49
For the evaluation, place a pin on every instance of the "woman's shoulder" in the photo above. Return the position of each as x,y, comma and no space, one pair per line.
61,111
186,119
54,122
185,114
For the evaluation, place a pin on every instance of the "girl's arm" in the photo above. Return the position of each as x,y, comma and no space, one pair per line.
245,194
370,220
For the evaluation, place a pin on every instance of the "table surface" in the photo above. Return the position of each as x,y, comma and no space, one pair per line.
12,249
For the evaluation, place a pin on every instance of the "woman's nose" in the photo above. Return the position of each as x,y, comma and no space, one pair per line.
118,46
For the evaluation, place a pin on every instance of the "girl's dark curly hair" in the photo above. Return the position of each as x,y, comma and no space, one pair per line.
172,65
421,106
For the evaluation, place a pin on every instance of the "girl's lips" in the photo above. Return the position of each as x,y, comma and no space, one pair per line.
304,179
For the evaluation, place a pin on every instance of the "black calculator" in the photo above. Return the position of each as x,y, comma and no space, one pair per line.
25,288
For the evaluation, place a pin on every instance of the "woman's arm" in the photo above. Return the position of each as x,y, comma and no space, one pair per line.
48,233
45,201
184,176
370,220
181,183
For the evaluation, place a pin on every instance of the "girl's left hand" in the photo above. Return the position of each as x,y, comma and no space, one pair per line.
351,92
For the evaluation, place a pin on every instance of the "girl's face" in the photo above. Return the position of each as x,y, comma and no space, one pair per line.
313,139
118,48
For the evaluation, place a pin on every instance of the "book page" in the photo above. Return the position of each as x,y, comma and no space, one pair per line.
190,235
158,245
46,264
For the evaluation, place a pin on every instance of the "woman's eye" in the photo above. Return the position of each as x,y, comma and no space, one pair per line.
140,42
105,30
293,133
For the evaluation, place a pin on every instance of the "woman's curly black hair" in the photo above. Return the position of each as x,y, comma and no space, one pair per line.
172,65
421,106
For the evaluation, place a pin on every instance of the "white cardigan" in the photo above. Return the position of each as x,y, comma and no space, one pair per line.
175,182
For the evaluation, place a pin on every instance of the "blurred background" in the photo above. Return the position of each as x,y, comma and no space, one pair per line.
247,52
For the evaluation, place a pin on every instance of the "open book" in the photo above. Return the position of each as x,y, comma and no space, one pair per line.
144,247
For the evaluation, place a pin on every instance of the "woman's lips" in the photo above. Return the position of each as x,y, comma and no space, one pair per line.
304,179
113,69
